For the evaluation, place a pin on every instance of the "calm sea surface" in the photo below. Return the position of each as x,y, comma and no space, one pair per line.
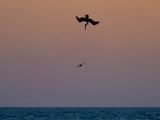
79,113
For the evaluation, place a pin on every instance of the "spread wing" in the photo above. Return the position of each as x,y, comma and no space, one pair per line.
93,22
82,19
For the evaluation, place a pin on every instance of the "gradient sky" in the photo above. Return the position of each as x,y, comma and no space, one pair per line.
41,43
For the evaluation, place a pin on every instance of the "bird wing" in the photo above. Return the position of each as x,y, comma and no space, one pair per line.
80,65
80,19
93,22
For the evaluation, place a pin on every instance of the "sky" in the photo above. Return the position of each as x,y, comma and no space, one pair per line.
41,43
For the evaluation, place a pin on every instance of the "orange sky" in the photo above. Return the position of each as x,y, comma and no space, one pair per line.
41,42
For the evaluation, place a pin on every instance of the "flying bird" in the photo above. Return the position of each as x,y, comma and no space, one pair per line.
80,65
87,20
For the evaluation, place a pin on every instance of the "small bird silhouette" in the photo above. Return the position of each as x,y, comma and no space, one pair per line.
80,65
87,20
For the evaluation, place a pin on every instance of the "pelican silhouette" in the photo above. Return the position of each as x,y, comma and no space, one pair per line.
87,20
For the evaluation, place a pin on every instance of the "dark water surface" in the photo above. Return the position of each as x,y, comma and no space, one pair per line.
79,113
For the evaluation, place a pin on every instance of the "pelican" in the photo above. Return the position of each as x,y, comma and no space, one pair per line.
87,20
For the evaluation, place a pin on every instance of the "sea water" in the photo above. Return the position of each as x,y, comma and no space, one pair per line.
79,113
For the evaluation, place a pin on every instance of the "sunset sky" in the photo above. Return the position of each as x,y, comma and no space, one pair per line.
41,43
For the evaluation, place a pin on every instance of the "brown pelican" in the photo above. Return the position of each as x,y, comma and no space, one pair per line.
87,20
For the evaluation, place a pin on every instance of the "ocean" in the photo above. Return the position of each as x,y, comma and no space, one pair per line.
79,113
